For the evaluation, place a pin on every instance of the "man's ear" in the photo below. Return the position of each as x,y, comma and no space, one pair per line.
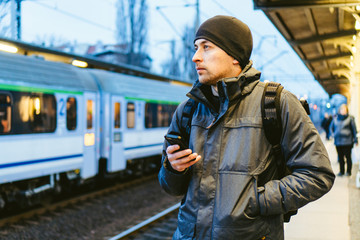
236,62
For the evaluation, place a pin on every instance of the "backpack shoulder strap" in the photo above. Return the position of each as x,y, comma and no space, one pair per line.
305,105
271,117
271,112
186,117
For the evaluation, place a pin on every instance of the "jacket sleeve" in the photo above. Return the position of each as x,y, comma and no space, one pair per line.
172,181
307,158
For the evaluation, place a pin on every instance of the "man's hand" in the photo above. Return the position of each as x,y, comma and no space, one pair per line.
181,160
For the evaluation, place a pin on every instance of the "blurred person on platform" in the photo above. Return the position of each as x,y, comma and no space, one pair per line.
325,124
344,131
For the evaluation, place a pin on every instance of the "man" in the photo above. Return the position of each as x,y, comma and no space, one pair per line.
228,174
325,124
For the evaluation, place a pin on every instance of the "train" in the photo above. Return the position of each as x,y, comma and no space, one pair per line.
63,126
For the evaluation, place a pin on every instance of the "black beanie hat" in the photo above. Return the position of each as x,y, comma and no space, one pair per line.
230,34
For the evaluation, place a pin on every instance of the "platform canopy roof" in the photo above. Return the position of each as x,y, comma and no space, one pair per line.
322,33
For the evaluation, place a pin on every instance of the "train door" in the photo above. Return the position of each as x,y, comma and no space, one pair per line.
90,120
117,161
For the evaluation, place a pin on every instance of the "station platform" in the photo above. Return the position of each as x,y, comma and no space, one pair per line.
335,216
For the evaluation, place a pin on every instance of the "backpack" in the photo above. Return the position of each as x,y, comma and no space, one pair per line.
271,118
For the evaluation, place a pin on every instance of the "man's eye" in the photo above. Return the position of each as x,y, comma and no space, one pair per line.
206,46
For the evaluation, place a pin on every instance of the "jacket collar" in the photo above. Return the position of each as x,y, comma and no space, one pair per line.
342,117
229,89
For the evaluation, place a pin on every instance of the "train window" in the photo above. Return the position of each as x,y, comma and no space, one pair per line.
33,113
167,114
89,114
5,113
42,113
150,115
130,115
117,115
158,115
71,115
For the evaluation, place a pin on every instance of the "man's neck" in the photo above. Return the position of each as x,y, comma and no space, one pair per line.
214,90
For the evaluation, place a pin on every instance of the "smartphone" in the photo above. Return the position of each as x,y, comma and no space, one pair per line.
176,139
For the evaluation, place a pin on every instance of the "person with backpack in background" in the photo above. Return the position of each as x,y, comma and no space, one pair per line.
343,129
228,169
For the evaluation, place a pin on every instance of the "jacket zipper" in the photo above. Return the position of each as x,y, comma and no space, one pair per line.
211,124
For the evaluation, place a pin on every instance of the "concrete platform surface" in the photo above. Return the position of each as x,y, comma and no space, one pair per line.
328,217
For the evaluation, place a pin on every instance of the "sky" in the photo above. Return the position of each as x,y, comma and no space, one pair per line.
90,21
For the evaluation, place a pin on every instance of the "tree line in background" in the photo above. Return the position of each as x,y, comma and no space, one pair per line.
132,29
4,13
132,40
179,63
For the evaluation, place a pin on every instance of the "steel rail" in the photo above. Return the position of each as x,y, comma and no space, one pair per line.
146,223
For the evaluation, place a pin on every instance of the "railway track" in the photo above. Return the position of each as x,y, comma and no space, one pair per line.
12,219
159,227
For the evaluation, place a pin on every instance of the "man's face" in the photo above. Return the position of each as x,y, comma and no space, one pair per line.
213,63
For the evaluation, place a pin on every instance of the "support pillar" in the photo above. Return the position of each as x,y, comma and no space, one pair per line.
354,104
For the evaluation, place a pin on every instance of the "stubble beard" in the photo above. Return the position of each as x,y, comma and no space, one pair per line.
207,80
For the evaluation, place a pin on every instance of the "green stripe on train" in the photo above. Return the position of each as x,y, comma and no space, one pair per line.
35,89
153,101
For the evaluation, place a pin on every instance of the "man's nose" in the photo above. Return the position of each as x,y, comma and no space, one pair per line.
197,56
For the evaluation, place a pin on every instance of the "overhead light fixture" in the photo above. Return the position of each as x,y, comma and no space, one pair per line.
354,37
353,49
357,25
8,48
357,7
79,63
